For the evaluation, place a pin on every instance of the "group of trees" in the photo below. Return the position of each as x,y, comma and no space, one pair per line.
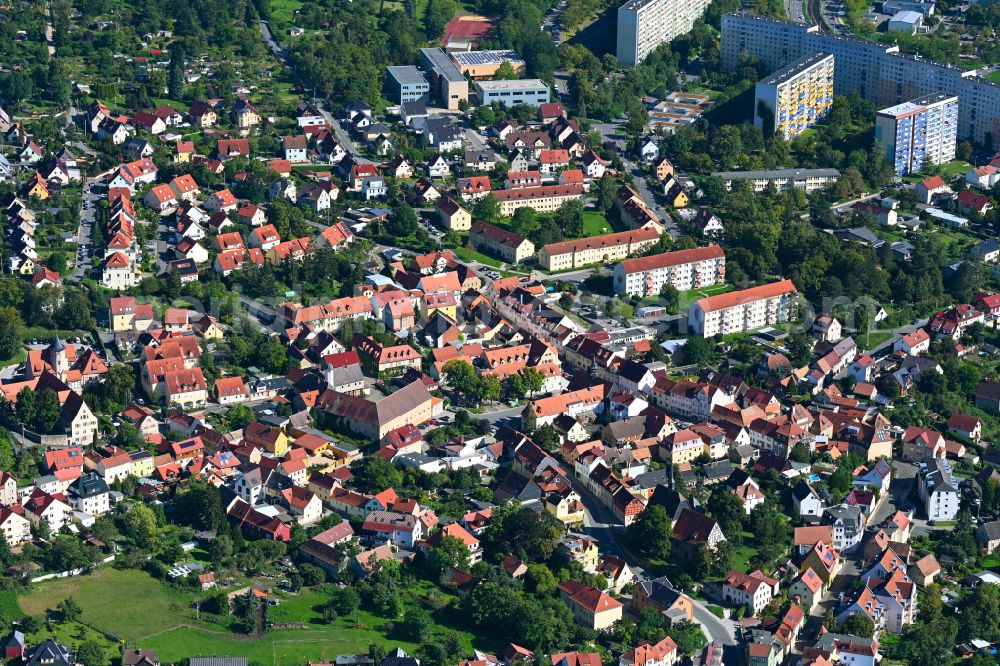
474,387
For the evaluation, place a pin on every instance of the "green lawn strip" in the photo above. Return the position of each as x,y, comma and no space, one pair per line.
465,254
875,338
690,296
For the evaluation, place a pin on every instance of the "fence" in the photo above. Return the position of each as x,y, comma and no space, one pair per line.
73,572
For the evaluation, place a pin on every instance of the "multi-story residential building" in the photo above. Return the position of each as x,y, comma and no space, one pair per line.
684,269
448,86
783,180
406,83
878,72
919,132
745,310
938,489
591,607
544,199
847,525
90,494
505,244
596,249
533,92
645,24
16,529
796,96
753,590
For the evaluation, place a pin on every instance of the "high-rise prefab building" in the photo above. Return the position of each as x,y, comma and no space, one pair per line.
645,24
919,132
795,97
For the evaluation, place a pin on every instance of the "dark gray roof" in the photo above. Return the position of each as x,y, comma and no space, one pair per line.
50,653
90,485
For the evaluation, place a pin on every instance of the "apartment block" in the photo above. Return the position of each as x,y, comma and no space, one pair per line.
596,249
533,92
645,24
919,132
544,199
876,71
684,269
796,96
745,310
448,86
783,179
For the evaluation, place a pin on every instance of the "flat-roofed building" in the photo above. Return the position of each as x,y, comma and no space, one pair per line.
783,179
406,83
919,132
533,92
480,65
878,72
795,97
448,86
645,24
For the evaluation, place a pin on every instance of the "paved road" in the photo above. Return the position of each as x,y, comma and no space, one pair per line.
610,132
603,525
282,55
85,230
49,31
794,10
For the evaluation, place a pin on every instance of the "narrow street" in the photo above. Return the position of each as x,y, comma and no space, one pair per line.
282,56
49,30
603,525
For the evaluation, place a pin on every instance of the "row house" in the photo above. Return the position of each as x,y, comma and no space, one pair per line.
328,316
596,249
572,403
690,400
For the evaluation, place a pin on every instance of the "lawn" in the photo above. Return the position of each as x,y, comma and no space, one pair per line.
466,254
692,295
954,168
595,224
142,611
875,338
994,76
144,606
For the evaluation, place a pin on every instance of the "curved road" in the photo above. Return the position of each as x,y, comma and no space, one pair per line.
602,524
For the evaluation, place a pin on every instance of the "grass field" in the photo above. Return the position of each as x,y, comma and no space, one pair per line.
142,611
595,224
994,76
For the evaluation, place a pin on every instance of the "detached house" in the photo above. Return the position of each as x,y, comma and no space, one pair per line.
753,590
591,607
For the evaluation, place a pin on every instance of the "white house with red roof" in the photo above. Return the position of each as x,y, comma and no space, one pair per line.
753,590
915,343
